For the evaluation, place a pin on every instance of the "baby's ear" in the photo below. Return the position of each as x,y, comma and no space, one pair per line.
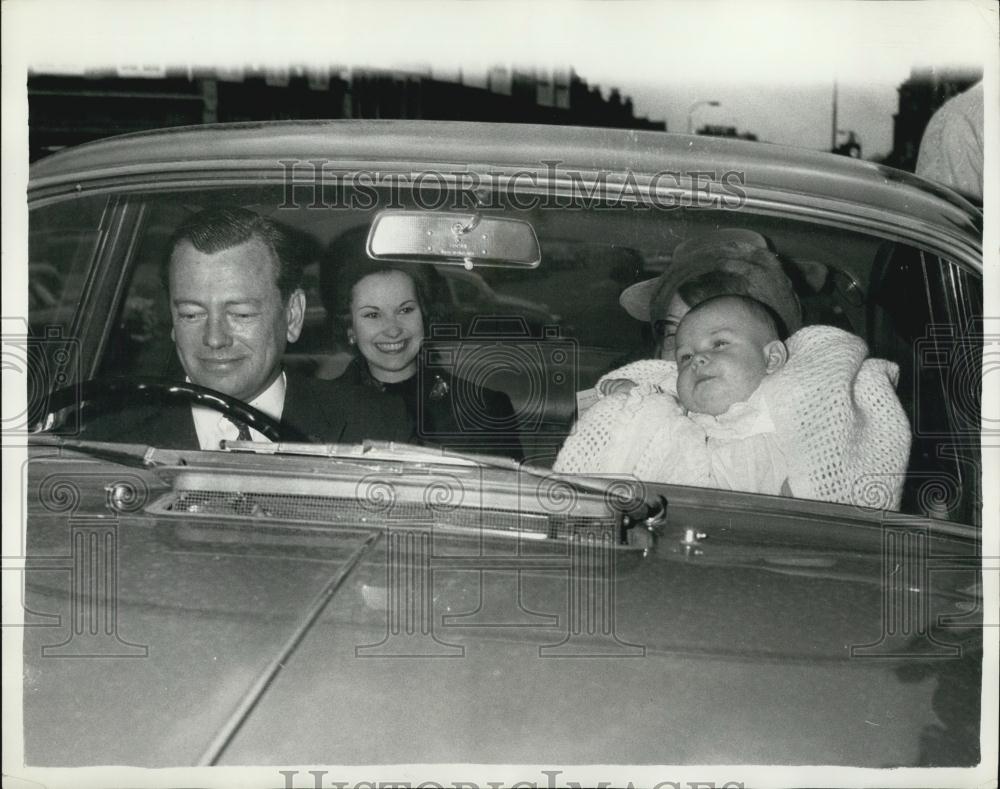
776,355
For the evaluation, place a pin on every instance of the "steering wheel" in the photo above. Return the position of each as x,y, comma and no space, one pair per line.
166,390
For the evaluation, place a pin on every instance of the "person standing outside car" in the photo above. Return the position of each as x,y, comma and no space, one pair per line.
236,303
951,150
383,312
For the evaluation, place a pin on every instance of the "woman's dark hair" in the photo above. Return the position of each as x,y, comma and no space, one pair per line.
346,263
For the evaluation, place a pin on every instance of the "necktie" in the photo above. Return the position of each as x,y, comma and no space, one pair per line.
243,432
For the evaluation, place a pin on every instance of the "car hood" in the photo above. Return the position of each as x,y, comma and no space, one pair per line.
736,634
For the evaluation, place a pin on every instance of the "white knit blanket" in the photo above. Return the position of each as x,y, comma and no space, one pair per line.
828,424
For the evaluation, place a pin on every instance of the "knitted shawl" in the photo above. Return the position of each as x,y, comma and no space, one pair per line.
837,423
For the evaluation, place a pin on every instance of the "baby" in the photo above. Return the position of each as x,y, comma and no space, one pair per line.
741,410
726,346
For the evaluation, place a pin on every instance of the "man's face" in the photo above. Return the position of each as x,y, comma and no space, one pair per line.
231,325
722,357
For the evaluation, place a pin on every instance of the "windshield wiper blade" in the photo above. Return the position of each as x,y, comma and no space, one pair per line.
132,455
373,450
629,492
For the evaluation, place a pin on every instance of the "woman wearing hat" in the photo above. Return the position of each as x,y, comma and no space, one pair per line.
724,262
819,424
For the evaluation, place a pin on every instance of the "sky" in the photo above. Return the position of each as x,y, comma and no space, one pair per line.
771,65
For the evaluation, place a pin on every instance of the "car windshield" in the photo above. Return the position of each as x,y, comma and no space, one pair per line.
541,337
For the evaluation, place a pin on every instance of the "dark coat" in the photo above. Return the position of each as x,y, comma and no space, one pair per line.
326,412
448,411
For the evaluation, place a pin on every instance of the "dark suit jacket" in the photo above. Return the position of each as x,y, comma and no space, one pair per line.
325,412
447,411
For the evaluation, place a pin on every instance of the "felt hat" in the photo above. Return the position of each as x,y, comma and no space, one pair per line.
742,253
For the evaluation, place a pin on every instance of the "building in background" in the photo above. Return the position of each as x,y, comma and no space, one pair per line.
919,97
66,109
718,130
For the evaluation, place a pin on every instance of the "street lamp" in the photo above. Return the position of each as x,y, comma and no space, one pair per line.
698,104
851,146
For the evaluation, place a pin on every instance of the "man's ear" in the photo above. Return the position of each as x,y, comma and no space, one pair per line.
776,355
295,314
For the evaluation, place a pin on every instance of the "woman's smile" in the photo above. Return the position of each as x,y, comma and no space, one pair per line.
396,346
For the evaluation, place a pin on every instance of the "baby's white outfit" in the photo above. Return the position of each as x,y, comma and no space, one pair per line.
826,426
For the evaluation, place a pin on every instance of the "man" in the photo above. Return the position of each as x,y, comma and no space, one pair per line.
236,302
951,150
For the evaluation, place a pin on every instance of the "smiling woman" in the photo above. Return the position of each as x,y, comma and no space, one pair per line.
387,324
385,311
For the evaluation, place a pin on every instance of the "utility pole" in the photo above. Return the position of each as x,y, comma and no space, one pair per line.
833,128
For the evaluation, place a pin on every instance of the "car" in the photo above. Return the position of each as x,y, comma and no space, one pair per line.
382,603
472,297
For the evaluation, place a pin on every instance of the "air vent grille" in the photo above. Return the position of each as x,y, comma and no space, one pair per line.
318,509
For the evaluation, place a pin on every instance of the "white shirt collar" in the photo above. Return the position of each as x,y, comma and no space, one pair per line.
212,427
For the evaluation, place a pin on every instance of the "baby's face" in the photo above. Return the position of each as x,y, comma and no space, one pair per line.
722,356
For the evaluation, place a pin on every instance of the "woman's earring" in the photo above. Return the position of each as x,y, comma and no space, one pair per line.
350,340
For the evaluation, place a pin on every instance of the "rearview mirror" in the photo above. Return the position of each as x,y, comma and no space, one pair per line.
460,239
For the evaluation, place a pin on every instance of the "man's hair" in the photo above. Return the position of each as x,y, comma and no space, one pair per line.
218,229
754,308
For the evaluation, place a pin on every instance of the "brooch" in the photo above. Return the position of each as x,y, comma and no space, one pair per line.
440,389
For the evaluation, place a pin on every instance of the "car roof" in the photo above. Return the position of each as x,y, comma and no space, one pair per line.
396,145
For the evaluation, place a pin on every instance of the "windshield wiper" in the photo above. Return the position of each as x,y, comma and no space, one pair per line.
133,455
611,487
626,495
623,490
374,450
